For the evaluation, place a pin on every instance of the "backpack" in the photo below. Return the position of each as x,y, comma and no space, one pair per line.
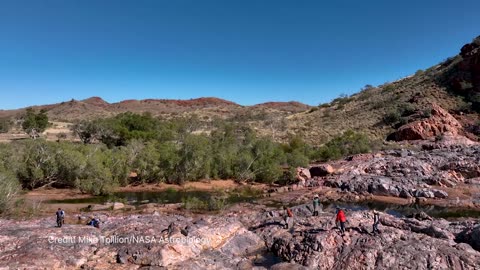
289,212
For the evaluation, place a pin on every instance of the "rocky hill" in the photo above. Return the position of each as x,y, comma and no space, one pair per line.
453,85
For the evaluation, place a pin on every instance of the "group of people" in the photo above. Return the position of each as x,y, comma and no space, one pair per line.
60,214
340,218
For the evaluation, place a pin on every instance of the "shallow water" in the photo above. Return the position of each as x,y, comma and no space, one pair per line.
167,197
174,196
406,210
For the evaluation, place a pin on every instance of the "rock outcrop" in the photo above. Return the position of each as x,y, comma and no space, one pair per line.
408,173
135,241
466,78
403,244
303,174
239,239
439,123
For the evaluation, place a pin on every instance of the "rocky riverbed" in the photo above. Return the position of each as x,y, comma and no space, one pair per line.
246,236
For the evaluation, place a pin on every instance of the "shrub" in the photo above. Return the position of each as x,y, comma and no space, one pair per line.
70,164
194,203
406,109
268,158
147,163
247,191
242,166
38,165
419,72
213,203
426,113
5,125
349,143
392,117
195,159
97,178
216,203
313,109
389,88
9,188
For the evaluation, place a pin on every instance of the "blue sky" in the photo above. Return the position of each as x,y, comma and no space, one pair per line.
247,51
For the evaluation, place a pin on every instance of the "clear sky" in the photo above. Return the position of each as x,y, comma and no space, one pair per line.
247,51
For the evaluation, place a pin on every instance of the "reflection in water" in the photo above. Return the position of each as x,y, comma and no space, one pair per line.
407,210
168,196
174,196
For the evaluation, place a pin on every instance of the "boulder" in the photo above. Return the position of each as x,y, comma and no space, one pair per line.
118,206
100,207
303,174
321,170
440,194
424,193
440,122
470,236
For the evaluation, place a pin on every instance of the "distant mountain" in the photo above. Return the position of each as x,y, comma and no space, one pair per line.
96,107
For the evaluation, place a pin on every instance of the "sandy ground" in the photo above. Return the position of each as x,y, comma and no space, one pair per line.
200,185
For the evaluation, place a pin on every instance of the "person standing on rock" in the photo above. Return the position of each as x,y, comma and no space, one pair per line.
60,217
316,205
288,217
376,221
342,219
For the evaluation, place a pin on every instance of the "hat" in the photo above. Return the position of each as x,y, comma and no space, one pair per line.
316,196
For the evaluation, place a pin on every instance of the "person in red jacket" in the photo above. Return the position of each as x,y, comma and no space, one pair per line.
288,217
342,219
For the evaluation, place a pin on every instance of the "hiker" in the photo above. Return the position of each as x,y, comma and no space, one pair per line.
288,217
316,205
60,217
376,221
95,222
170,229
342,219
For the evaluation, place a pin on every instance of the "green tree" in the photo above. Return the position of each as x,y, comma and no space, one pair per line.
38,164
70,164
86,130
169,159
225,147
147,163
195,159
242,167
35,123
268,158
97,178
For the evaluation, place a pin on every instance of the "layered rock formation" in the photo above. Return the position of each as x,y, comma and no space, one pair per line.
402,244
439,123
239,239
404,173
